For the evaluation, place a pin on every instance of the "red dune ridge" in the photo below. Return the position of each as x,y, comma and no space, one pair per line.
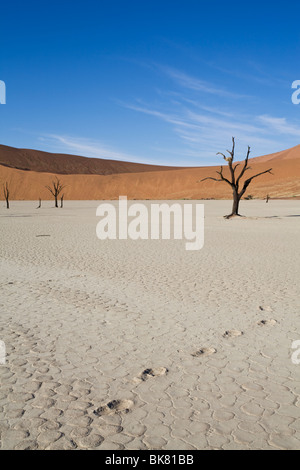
28,172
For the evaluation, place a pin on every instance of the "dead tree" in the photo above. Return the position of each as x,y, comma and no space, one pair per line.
6,194
40,204
62,201
56,189
234,181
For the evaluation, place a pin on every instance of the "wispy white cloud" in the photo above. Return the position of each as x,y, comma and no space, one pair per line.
88,148
202,124
209,109
245,73
203,134
280,125
195,84
171,118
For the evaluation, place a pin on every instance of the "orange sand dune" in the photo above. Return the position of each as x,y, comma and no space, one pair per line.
36,160
289,154
156,183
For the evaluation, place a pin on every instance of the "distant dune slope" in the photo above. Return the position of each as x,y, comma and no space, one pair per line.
289,154
36,160
155,183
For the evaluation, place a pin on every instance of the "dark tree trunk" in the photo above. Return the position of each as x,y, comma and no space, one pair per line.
235,205
234,180
55,190
236,202
6,194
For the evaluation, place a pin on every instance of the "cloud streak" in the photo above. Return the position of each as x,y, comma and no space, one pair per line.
203,126
198,116
203,134
195,84
88,148
280,125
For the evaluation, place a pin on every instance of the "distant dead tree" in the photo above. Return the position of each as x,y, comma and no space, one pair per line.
40,204
62,201
56,189
267,198
234,180
6,194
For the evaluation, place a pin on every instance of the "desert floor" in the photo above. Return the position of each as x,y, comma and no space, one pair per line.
123,344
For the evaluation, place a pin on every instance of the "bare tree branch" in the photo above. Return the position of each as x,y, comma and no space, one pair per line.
244,167
234,183
209,178
50,189
56,189
237,165
248,181
223,177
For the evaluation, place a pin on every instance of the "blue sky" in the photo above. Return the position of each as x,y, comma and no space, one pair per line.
166,82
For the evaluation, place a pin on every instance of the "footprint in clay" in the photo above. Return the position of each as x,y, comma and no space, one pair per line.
265,309
114,407
204,352
232,334
271,322
148,373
